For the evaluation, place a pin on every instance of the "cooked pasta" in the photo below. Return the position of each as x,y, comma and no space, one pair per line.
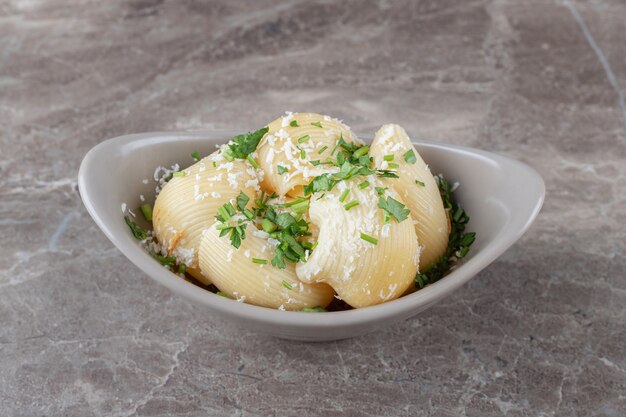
417,187
301,212
188,203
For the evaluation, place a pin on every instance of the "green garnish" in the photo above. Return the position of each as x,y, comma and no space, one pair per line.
314,309
222,294
293,123
369,239
322,149
196,155
182,268
380,190
385,173
243,145
304,138
393,165
351,204
394,208
420,183
282,169
225,213
318,124
165,260
364,184
363,150
409,157
302,153
228,155
315,162
268,226
287,285
137,231
214,164
344,194
389,157
459,242
146,210
179,174
252,162
242,200
259,261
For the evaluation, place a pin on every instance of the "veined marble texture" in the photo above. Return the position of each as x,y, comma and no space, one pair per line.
541,332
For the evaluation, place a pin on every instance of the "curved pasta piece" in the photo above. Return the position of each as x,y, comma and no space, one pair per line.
292,142
418,189
362,273
233,271
187,205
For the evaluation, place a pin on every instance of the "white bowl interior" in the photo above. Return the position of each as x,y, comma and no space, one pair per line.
502,197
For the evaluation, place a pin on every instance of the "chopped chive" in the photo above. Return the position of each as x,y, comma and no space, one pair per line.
315,162
369,239
304,138
389,157
248,213
228,154
196,155
252,162
282,169
462,252
259,261
318,124
344,194
314,309
410,157
362,151
380,190
179,174
420,280
323,148
287,285
268,226
224,212
302,154
420,183
146,210
222,226
294,123
351,204
393,165
364,184
182,268
214,164
222,294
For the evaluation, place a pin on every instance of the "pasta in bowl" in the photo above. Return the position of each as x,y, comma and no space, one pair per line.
302,215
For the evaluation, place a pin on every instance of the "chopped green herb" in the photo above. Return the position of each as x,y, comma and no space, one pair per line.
136,230
369,239
317,124
293,123
182,268
225,212
384,173
196,155
304,138
394,208
282,169
179,174
302,152
364,184
322,149
409,157
315,162
259,261
314,309
380,190
146,210
362,151
389,157
243,145
252,162
351,204
420,183
344,194
287,285
214,164
268,226
222,294
228,155
165,260
242,200
393,165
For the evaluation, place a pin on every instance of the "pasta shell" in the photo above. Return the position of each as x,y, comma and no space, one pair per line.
233,272
292,148
187,205
424,201
362,273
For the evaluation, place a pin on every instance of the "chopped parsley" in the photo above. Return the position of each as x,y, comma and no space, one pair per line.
281,169
243,145
459,241
394,208
317,124
137,231
196,155
236,230
293,123
146,210
409,157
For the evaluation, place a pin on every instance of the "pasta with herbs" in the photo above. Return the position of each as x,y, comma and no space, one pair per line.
303,215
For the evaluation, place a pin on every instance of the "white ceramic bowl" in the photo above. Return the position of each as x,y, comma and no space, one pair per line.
502,197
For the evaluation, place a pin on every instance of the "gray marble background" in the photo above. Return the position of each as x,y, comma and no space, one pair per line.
541,332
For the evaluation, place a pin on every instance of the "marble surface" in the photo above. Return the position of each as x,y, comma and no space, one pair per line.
541,332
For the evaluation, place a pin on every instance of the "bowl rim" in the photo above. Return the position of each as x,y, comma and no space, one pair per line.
406,305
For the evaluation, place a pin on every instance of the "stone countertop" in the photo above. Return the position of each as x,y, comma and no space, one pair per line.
541,332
